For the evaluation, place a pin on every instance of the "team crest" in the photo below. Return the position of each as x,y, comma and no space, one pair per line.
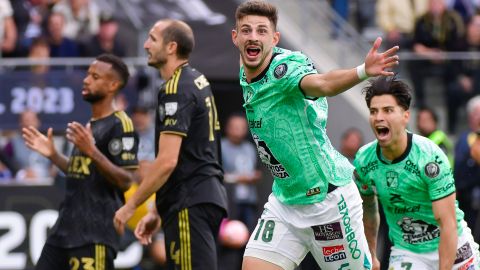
280,70
392,179
432,169
161,112
115,147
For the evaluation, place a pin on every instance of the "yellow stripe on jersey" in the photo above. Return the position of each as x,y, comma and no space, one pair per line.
172,84
185,247
127,123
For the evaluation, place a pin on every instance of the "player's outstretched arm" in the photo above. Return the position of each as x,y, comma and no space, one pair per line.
371,222
42,144
337,81
83,139
162,168
444,212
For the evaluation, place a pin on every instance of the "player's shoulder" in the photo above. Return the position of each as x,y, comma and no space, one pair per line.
123,122
287,56
423,145
188,78
368,149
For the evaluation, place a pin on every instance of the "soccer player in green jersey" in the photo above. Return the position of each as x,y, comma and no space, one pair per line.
412,178
315,206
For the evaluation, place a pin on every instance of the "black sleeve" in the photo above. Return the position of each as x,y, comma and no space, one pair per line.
178,110
123,147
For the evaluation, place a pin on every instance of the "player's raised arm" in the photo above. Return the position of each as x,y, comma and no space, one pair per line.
337,81
42,144
444,211
371,223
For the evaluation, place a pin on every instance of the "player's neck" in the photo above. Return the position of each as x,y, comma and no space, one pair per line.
102,108
169,68
396,148
252,73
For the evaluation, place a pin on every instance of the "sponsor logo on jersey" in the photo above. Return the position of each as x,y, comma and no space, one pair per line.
371,166
463,253
78,166
468,265
170,122
267,157
280,70
201,82
255,123
405,209
445,188
327,232
115,147
417,231
412,167
334,253
392,179
349,232
248,95
344,266
396,198
128,143
313,191
170,108
432,169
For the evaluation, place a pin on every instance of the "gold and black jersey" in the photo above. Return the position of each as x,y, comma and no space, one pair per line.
186,107
86,214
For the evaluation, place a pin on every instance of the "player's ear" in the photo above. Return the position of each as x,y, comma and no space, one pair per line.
276,38
234,37
172,47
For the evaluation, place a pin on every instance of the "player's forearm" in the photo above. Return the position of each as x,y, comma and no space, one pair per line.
331,83
60,161
154,180
117,176
371,223
448,246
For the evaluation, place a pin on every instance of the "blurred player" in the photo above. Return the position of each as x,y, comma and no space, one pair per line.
314,206
186,174
413,180
98,171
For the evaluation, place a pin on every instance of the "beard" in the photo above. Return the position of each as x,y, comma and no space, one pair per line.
93,98
157,62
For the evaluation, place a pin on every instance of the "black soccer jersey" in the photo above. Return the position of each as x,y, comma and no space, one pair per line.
86,214
186,107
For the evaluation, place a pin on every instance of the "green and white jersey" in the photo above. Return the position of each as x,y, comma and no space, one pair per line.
406,188
289,130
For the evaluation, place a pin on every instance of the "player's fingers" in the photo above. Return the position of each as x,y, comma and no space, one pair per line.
391,51
50,134
388,73
391,64
390,59
376,45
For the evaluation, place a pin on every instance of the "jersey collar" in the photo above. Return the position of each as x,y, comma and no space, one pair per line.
264,72
402,156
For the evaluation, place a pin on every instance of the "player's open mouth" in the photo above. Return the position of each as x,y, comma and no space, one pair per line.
253,52
382,132
85,91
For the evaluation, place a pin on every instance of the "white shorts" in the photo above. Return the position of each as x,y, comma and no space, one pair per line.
332,230
467,256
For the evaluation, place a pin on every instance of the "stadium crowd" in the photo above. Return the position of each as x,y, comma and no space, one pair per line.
39,29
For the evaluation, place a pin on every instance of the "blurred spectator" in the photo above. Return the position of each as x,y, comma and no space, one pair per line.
341,7
467,171
8,30
397,20
60,46
105,41
31,19
39,50
352,140
240,164
143,123
33,167
467,76
436,32
427,125
81,18
466,8
5,174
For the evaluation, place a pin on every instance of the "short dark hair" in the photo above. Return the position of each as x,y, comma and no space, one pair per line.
179,32
384,85
259,8
429,110
117,65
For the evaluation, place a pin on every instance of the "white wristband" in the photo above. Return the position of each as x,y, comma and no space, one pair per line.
361,72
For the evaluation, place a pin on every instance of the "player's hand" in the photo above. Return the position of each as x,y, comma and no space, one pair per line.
121,217
81,137
39,142
375,263
378,63
147,227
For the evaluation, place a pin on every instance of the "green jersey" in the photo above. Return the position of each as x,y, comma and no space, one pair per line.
406,188
289,130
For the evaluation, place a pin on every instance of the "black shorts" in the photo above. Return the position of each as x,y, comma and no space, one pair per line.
190,237
88,257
